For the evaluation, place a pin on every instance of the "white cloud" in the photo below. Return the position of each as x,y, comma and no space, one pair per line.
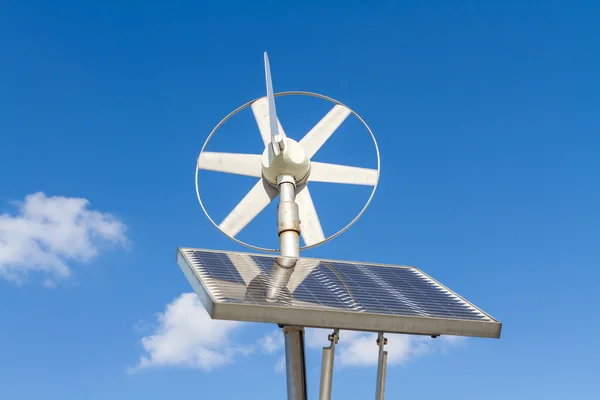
453,340
272,342
356,349
187,336
360,348
280,365
49,232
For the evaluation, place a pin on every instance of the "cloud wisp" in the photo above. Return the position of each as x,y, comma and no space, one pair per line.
186,336
49,233
358,349
271,342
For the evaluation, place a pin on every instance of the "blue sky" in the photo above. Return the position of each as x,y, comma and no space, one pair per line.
487,120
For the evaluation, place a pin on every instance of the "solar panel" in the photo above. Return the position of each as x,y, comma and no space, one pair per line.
329,294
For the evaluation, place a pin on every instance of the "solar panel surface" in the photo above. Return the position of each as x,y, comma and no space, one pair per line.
329,294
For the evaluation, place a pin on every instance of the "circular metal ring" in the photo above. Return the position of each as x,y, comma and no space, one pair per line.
290,93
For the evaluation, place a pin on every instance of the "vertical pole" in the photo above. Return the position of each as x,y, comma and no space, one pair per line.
327,367
381,367
295,368
288,219
288,227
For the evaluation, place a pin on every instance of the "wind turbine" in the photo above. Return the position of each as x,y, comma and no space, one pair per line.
285,164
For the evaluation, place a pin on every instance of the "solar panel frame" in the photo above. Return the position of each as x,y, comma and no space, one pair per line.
331,317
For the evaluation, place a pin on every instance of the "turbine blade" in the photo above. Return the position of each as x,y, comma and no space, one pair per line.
231,163
251,205
276,136
310,226
260,109
319,134
333,173
301,271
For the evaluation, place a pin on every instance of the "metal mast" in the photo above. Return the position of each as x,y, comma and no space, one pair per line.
289,239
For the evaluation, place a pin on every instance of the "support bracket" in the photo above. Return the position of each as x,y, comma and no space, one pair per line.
327,366
381,367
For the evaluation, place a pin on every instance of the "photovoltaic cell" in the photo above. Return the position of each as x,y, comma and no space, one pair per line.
332,294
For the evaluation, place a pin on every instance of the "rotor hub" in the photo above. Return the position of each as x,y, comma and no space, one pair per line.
292,160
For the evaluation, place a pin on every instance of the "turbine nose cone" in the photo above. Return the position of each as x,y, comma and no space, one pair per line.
297,156
291,161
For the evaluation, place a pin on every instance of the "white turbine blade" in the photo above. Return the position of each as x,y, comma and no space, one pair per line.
251,205
231,163
271,99
276,136
319,134
245,266
310,226
260,109
333,173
